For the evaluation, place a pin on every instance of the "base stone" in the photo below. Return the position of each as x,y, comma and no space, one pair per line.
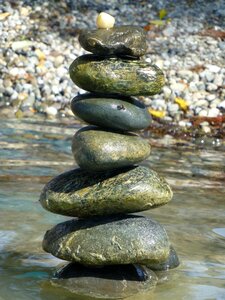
108,282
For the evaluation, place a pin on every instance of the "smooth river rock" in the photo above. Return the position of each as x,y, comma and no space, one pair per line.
121,40
108,282
171,262
116,75
126,239
79,193
121,113
95,149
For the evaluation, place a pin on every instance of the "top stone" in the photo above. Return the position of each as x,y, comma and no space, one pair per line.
121,40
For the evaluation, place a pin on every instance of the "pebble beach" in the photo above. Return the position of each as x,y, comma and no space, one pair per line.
186,39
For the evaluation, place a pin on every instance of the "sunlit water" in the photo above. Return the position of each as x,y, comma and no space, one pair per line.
32,153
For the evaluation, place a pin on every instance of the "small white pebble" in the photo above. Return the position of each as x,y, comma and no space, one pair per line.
105,21
51,110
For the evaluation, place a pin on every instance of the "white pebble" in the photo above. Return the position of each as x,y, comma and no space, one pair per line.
105,21
221,105
213,112
51,110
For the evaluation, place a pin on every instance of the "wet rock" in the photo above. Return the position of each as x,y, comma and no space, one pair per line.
80,193
171,263
97,150
116,76
119,281
122,40
125,239
121,113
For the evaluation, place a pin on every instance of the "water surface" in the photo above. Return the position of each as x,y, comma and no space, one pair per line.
33,152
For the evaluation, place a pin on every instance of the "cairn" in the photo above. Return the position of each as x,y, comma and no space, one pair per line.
109,184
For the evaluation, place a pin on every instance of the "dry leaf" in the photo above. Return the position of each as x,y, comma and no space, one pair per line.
158,22
162,13
157,113
214,121
214,33
40,54
197,68
4,15
182,103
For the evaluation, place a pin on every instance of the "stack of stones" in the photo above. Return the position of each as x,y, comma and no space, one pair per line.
109,184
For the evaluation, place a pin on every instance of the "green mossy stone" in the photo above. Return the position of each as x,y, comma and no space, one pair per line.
121,40
108,282
124,239
116,75
95,149
171,262
120,113
79,193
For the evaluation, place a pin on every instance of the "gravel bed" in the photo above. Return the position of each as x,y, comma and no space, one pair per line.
39,40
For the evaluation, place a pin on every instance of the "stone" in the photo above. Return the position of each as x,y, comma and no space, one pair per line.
171,262
121,113
127,239
116,75
111,282
96,149
79,193
121,40
221,105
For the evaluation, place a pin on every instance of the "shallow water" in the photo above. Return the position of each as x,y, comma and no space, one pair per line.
32,153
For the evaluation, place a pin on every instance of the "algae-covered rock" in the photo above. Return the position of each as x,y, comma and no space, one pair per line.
125,239
171,262
116,75
97,150
121,40
80,193
121,113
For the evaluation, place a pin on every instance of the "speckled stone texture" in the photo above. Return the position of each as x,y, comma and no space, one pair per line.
171,262
122,40
116,75
109,241
79,193
120,113
107,282
96,149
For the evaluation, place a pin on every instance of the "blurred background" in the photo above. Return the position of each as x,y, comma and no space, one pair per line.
39,40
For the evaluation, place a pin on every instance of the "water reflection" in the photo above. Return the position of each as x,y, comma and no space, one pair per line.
32,153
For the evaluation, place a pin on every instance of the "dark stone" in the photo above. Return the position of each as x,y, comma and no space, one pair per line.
108,282
121,113
98,150
116,75
126,239
171,263
79,193
122,40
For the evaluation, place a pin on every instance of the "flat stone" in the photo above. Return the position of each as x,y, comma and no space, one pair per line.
111,282
79,193
121,113
116,75
97,150
127,239
122,40
171,262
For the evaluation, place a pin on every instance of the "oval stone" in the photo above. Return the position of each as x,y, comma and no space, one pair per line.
121,113
121,40
82,194
108,241
108,282
116,75
171,262
98,150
